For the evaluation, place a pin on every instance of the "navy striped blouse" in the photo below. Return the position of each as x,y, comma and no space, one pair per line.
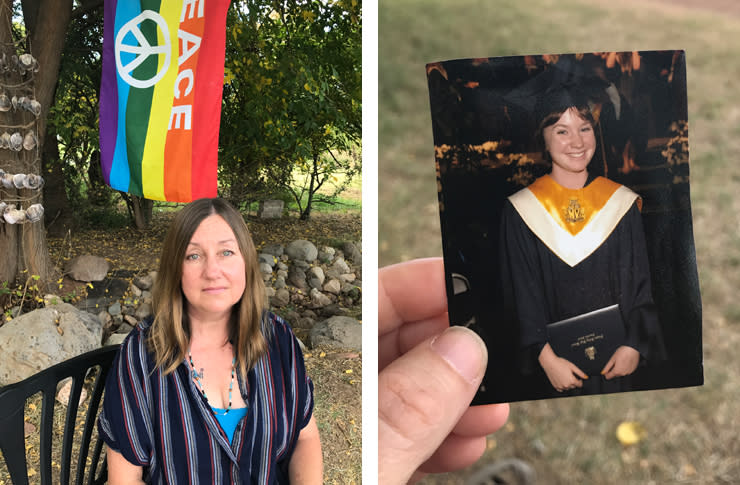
163,424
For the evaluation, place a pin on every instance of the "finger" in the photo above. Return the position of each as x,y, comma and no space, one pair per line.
409,292
422,395
609,365
482,420
578,372
454,453
395,343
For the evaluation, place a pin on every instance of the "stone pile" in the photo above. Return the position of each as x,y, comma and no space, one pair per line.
315,290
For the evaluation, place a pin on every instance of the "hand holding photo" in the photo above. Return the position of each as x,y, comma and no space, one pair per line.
564,203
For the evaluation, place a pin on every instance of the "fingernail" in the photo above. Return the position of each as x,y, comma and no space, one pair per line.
464,350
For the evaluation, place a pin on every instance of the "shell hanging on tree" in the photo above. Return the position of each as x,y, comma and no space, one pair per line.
5,103
29,141
16,142
14,216
19,180
33,106
33,182
5,140
27,63
7,181
35,213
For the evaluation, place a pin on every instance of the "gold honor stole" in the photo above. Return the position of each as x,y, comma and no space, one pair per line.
573,223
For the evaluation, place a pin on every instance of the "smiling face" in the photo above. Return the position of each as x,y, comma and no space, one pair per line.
213,272
571,144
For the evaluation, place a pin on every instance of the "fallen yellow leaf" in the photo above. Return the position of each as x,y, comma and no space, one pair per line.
630,433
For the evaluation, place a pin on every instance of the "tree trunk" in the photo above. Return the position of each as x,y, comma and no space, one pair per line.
23,248
57,213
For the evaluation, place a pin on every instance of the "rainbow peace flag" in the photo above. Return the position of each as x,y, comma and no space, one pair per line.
160,96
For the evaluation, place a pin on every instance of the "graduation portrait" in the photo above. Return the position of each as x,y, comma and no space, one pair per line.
564,197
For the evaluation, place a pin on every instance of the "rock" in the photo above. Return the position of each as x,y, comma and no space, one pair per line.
282,272
116,339
144,310
326,254
65,389
333,286
332,272
106,321
130,320
50,300
266,268
347,277
297,278
274,249
44,337
28,429
145,282
302,250
319,299
125,328
281,298
146,296
332,310
338,333
303,322
301,265
315,277
341,266
115,309
291,317
352,253
88,268
279,282
136,291
282,266
269,291
308,314
267,259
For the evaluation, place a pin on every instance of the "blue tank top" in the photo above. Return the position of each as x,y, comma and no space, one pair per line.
230,420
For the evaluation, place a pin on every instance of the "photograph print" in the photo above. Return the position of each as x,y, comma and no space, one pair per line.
564,199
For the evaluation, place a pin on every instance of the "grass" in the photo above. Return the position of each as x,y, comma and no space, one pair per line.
690,435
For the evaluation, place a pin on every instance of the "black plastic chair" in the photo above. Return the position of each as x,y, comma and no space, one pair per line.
12,404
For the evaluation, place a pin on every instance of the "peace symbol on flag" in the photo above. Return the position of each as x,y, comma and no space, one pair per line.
142,49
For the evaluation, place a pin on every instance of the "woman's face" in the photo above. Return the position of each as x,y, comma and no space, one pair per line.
213,274
570,142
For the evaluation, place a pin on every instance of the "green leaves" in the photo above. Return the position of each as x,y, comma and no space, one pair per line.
293,90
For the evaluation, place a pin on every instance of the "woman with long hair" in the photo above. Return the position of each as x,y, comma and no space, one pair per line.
213,388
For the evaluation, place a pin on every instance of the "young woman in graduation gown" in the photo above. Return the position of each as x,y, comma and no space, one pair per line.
573,243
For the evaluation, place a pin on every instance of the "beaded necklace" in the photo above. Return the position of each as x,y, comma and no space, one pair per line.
198,376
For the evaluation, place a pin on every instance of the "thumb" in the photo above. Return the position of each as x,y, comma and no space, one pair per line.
422,395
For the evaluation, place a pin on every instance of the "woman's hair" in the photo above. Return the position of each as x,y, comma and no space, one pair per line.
169,337
551,106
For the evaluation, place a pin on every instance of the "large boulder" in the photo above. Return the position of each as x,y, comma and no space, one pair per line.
88,268
338,333
302,250
44,337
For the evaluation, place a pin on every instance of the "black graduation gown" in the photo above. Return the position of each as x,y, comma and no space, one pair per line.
540,288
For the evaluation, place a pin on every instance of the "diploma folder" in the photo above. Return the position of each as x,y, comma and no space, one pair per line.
588,340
